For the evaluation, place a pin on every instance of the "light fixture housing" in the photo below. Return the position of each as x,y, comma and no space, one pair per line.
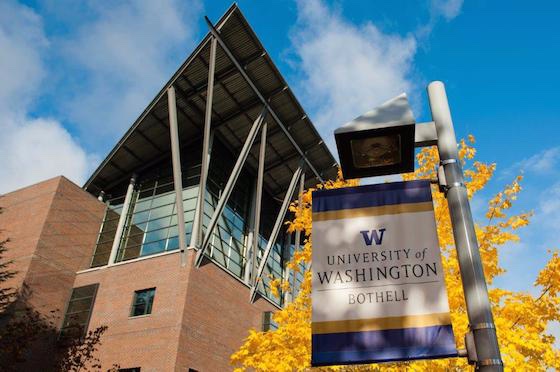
379,142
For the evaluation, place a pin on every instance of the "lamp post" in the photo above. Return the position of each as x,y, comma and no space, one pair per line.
382,142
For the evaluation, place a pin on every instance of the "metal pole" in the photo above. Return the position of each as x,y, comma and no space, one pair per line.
177,176
276,229
199,212
228,188
122,220
474,285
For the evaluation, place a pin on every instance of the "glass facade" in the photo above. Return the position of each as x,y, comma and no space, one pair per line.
151,222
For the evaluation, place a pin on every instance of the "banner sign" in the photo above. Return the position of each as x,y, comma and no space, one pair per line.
378,287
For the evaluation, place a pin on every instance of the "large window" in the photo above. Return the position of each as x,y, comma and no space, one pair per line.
228,241
142,302
152,225
151,222
76,319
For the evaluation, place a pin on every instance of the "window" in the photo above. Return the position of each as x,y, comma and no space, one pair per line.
268,323
135,369
107,233
78,312
142,302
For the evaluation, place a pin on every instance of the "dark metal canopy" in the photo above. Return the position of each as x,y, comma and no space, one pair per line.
236,104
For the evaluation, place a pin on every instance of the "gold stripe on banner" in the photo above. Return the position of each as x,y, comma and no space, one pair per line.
373,211
378,324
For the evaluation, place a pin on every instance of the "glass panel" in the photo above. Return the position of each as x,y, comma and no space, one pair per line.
105,239
159,223
161,212
77,315
156,235
131,252
152,248
142,302
164,199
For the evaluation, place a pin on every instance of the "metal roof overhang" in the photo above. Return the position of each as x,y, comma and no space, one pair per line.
235,107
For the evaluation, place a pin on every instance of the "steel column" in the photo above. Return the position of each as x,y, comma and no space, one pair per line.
276,228
479,312
206,148
122,219
230,184
216,34
177,175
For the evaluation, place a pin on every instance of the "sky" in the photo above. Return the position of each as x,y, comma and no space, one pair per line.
75,75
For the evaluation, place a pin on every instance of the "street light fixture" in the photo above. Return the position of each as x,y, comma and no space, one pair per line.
379,142
382,142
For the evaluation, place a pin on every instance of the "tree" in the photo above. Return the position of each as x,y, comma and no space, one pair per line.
23,329
522,319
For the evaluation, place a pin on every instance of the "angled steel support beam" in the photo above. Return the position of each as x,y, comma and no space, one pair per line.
230,184
122,220
276,229
199,212
216,34
258,204
177,176
298,232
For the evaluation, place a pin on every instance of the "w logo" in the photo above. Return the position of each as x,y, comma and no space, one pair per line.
373,236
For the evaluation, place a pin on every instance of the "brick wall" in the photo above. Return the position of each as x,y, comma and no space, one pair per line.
217,318
52,227
23,216
151,341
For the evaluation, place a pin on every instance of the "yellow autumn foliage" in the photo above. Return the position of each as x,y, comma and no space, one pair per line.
522,319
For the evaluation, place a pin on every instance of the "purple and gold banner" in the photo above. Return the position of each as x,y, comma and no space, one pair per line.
378,287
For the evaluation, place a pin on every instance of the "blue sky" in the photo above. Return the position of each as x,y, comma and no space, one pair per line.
75,75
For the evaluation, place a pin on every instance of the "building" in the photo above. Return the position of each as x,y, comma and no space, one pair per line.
177,284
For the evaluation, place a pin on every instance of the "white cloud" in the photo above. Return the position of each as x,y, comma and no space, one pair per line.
347,69
126,53
548,214
21,41
439,9
448,9
541,163
31,149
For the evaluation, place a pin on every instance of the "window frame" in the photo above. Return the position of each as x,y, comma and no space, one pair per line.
135,297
